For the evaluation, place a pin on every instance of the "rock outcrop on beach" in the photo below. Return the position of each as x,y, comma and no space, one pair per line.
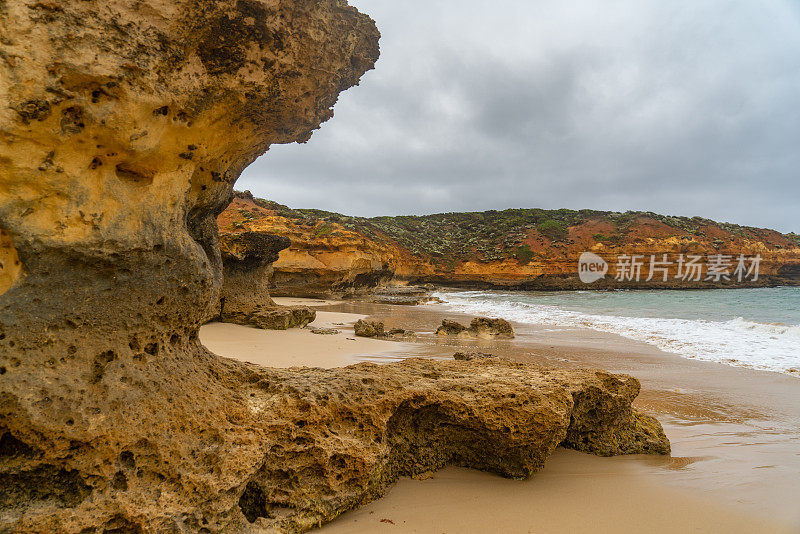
518,248
364,328
247,260
334,439
403,295
479,328
376,329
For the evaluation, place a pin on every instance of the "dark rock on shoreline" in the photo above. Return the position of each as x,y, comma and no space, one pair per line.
450,328
369,328
485,328
404,300
480,327
403,295
376,329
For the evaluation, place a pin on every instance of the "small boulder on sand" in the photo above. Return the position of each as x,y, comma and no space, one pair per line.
485,328
480,328
450,328
369,328
323,331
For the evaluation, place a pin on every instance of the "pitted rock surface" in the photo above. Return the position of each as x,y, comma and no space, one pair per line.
124,126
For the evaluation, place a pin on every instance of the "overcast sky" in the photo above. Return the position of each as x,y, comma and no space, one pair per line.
683,107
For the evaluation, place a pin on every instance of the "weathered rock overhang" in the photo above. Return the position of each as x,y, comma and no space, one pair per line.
126,125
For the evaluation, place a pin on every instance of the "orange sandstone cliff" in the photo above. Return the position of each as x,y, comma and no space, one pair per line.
333,254
322,258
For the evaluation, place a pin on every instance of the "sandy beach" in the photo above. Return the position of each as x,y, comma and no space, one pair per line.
300,347
736,448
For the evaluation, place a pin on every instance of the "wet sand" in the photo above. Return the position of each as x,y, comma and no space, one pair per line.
575,493
735,434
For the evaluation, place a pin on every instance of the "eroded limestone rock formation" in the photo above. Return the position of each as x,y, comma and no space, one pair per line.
125,127
247,260
340,437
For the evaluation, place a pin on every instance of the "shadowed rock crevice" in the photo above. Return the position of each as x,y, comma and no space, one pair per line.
253,503
43,484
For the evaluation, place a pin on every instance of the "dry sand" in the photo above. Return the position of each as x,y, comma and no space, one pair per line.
299,347
735,433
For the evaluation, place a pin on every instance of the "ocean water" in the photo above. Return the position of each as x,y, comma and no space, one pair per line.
756,328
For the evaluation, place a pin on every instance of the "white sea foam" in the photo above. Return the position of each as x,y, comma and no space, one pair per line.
769,347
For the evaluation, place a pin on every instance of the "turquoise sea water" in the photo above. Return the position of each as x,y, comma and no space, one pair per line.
757,328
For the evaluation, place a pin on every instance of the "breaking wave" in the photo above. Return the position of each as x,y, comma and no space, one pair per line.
739,342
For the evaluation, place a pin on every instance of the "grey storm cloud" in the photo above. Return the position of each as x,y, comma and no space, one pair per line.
687,107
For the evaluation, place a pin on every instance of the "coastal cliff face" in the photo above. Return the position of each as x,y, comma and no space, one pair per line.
323,259
516,249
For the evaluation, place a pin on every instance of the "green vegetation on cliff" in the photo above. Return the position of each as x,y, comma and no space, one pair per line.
496,235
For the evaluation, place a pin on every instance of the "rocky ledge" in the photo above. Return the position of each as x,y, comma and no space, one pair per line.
403,295
315,443
335,439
